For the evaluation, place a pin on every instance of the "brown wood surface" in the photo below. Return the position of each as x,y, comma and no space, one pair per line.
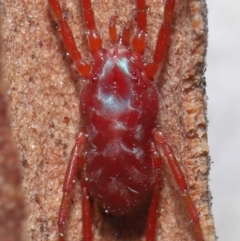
43,89
11,193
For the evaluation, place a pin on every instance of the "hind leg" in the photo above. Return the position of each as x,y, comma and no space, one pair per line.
179,177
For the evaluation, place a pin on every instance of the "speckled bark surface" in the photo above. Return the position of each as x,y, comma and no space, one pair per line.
11,193
43,102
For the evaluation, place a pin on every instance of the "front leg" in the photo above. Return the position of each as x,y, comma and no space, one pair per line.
69,179
179,177
82,67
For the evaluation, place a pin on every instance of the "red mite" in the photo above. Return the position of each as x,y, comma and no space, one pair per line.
117,148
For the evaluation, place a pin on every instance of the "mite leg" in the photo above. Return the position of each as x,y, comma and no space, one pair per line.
69,42
152,215
180,180
141,15
86,208
69,179
162,40
94,39
139,39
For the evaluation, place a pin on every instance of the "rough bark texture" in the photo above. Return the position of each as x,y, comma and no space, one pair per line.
11,193
43,99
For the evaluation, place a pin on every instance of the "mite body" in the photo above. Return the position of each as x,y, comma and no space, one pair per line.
117,148
119,111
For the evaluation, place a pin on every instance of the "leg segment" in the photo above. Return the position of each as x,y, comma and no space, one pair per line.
162,40
94,39
141,15
68,182
86,211
180,180
69,42
152,215
139,39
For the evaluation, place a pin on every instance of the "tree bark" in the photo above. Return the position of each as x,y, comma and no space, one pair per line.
11,193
